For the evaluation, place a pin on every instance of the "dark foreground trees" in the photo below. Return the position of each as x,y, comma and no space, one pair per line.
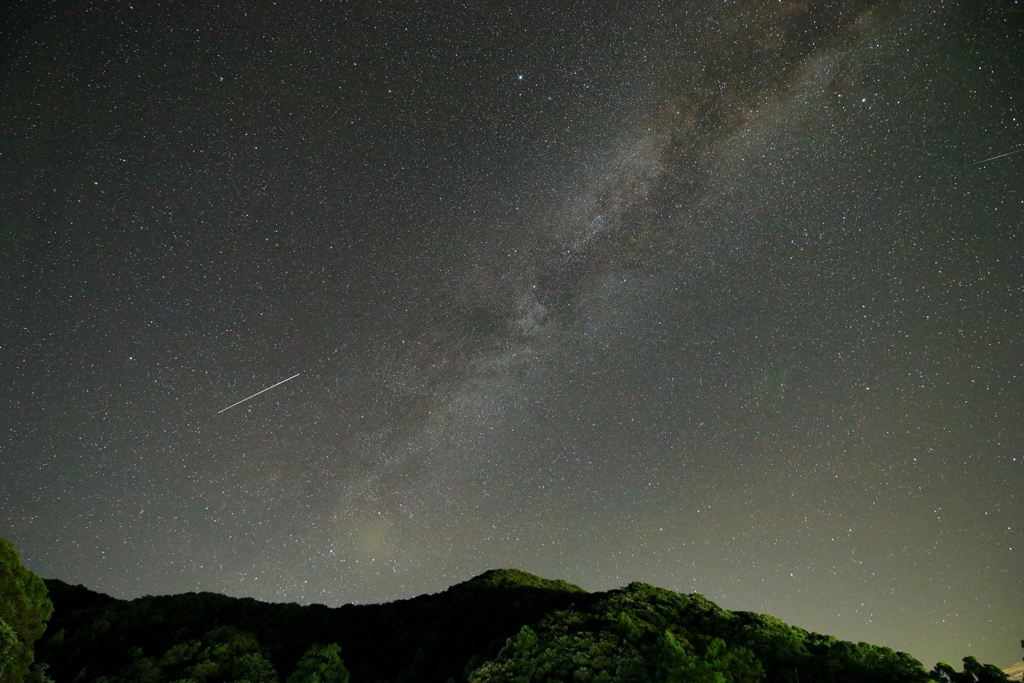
321,664
974,672
24,611
504,626
647,634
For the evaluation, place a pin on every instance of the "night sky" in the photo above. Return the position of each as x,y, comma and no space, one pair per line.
718,296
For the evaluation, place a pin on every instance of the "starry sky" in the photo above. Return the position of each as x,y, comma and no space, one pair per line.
724,297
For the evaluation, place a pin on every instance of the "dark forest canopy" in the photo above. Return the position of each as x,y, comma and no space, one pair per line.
24,609
504,625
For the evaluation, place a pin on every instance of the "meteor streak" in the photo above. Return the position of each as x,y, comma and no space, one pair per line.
260,392
998,156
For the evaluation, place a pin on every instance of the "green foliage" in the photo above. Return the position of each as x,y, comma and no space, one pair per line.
632,635
223,655
516,579
562,653
8,643
24,607
250,668
974,672
320,664
644,633
504,625
37,674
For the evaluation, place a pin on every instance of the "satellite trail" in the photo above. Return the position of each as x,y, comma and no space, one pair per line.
260,392
998,156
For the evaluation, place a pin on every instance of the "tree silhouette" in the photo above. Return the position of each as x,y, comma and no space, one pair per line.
320,664
24,607
8,641
974,672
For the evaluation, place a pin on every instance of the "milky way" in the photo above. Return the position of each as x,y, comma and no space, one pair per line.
713,296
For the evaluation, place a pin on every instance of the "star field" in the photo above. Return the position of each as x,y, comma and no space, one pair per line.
712,296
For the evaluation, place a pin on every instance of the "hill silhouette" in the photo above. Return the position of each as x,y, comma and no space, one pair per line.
503,625
430,637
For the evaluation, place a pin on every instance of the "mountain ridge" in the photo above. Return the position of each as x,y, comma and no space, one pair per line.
502,625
